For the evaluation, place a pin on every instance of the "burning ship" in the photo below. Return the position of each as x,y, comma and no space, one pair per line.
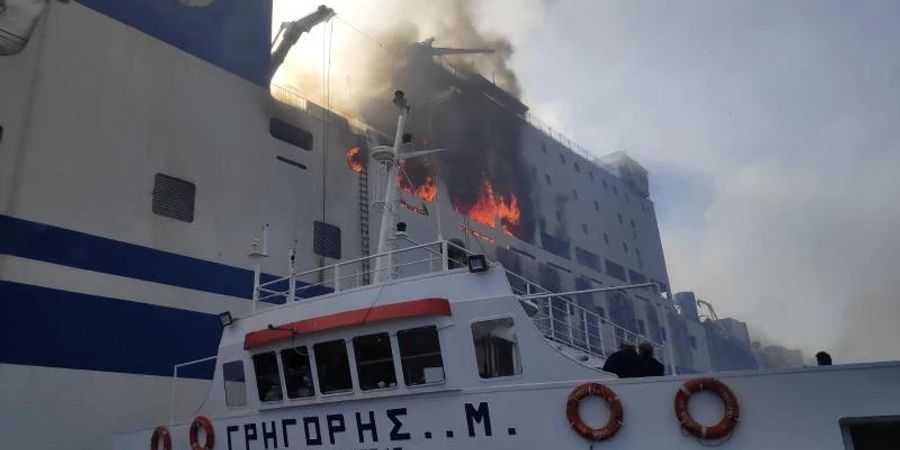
142,147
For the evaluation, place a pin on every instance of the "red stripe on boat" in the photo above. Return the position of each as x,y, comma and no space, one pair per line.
412,308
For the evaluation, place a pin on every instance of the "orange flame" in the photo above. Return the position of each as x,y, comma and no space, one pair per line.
484,211
354,160
426,190
510,215
489,205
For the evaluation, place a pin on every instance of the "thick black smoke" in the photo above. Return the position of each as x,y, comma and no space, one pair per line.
481,127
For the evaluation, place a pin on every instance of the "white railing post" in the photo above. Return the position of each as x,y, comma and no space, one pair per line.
551,315
291,270
337,277
445,257
569,324
175,379
587,337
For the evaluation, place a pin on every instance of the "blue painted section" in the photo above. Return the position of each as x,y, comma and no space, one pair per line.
55,328
70,248
232,34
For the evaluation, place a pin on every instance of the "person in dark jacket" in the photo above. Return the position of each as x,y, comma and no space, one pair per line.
623,362
648,366
823,359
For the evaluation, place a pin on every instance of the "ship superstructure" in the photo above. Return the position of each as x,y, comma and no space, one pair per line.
142,148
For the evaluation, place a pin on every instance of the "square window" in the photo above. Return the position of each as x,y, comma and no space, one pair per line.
496,348
235,383
693,342
625,247
298,381
420,356
374,361
268,382
333,367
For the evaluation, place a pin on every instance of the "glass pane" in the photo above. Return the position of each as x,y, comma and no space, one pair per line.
235,383
374,361
333,367
297,372
267,381
420,355
495,348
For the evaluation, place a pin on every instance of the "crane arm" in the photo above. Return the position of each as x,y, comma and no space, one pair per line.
291,31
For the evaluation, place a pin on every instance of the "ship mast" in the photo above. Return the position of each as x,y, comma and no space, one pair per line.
389,158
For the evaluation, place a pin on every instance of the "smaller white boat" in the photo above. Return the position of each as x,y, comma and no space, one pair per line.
440,352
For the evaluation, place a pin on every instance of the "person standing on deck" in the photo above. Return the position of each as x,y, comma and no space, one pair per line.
648,366
623,362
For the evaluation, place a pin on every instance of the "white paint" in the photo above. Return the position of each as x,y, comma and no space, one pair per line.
798,409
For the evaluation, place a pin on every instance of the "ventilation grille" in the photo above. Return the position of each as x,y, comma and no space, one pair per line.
173,197
326,240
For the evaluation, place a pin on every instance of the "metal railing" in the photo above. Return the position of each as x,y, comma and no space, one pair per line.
561,319
557,316
419,259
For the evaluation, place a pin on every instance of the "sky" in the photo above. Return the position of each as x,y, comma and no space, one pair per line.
770,130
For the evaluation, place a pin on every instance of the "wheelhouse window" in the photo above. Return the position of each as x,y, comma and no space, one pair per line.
496,348
235,383
268,382
420,356
298,380
333,367
374,361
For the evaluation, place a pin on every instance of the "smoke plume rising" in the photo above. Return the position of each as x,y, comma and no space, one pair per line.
362,63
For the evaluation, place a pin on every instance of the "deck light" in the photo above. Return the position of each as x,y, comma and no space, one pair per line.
225,319
477,263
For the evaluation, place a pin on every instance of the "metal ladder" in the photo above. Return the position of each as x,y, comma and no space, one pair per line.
364,224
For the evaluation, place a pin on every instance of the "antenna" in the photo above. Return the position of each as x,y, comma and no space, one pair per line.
390,158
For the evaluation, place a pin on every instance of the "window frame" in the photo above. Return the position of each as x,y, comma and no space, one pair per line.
521,364
225,386
399,357
354,381
280,372
312,367
355,362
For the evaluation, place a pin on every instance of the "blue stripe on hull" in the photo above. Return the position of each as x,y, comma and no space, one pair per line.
54,328
70,248
232,34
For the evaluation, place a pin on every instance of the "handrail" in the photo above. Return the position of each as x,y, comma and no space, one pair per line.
555,316
175,378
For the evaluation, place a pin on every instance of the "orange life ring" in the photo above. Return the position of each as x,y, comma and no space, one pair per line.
719,430
210,441
161,433
615,411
